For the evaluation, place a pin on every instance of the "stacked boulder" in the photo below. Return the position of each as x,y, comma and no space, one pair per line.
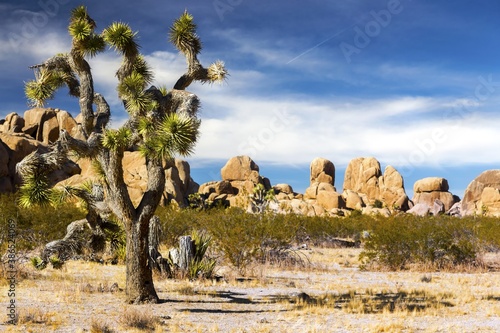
20,136
367,189
240,175
321,185
178,185
431,196
482,196
16,146
41,124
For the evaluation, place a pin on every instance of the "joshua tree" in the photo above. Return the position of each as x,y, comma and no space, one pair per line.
161,124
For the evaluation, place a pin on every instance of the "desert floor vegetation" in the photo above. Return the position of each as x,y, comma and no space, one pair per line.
331,295
274,274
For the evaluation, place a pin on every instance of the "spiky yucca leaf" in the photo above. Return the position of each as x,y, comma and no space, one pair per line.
37,93
183,35
131,86
40,90
176,135
80,30
163,90
140,103
180,132
79,13
217,72
145,126
35,191
120,36
142,68
93,45
117,139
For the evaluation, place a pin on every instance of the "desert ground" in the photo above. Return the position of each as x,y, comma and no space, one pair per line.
328,292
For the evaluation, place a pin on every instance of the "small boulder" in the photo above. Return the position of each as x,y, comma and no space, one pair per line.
431,184
322,171
240,168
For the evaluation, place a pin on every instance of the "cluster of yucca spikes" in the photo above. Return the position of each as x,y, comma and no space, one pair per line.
162,122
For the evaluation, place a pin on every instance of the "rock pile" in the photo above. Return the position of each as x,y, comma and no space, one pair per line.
366,188
431,196
482,196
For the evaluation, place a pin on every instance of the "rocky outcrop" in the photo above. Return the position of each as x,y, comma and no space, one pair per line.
240,175
321,191
362,176
16,146
392,191
364,184
432,192
322,171
13,123
178,186
482,195
41,124
243,175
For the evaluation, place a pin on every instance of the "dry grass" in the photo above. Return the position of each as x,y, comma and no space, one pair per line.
97,326
138,318
337,297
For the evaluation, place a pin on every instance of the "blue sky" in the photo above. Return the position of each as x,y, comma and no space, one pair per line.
415,84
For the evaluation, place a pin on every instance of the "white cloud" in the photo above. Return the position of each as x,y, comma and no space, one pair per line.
284,131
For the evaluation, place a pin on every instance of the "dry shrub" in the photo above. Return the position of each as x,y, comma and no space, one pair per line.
135,318
97,326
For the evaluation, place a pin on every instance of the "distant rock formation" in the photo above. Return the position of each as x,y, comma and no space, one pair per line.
432,192
482,196
178,186
365,185
20,136
365,189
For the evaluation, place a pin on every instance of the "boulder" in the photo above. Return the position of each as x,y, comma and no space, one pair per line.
428,198
322,171
455,210
369,210
13,123
420,209
329,200
353,200
430,189
240,168
472,201
313,190
50,131
18,146
283,188
362,176
67,122
431,184
392,191
4,160
437,208
218,187
36,118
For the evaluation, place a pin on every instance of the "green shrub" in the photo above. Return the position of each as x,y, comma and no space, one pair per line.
439,242
201,265
35,226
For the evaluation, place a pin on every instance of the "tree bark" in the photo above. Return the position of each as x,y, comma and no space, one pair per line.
140,287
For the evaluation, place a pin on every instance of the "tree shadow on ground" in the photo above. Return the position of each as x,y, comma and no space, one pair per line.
367,303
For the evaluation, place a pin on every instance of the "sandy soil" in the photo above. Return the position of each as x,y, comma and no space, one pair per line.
330,295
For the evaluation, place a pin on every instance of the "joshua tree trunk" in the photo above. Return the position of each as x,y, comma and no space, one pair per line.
140,287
